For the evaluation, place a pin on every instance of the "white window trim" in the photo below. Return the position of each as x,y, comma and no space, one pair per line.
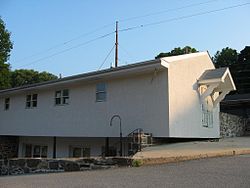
61,97
8,103
81,147
101,91
31,101
32,150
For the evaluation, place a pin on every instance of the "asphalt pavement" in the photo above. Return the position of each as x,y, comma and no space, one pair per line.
212,172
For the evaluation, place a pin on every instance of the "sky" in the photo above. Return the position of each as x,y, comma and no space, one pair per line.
70,37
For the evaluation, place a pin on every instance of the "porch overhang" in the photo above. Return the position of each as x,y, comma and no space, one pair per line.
217,83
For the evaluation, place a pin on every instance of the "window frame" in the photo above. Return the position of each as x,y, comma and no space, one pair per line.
6,104
62,97
101,91
32,147
85,151
33,99
207,119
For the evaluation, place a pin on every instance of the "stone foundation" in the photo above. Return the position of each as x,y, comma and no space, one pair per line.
232,125
8,147
26,166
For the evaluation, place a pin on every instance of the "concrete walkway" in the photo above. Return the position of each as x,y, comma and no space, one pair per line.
176,152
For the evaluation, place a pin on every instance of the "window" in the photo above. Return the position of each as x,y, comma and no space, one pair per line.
207,111
6,103
62,97
28,150
101,92
76,152
36,151
31,101
207,117
80,152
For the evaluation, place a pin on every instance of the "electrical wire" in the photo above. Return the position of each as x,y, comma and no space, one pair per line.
106,57
166,11
182,17
65,42
136,27
111,24
68,49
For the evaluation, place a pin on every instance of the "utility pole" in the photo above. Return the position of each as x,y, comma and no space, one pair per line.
116,45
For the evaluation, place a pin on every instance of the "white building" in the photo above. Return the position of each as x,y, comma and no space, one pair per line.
70,117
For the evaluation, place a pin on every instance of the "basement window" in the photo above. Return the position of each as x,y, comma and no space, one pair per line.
6,103
31,101
80,152
62,97
36,151
101,92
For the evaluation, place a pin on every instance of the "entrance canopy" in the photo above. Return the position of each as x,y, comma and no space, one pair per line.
217,83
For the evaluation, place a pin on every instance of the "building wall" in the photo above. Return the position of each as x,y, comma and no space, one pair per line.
140,100
185,112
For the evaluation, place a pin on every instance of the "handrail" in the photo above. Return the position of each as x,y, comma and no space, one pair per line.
138,130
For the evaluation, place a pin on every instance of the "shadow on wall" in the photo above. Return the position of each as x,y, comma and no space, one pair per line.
8,147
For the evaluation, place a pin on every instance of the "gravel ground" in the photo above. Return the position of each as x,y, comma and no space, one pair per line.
213,172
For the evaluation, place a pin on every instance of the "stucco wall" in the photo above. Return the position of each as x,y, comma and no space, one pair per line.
140,100
185,112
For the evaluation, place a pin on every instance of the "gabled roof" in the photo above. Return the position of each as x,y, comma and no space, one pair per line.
217,80
213,74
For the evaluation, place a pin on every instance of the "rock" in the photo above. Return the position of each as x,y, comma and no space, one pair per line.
33,163
43,164
4,170
54,165
16,171
26,170
71,166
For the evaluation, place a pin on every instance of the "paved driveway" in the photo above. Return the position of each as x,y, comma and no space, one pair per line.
213,172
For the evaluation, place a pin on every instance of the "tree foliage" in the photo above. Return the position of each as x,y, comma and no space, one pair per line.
244,56
5,48
226,57
24,76
20,77
177,51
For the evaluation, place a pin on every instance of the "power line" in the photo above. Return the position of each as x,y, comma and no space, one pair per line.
134,27
106,57
65,42
182,17
107,25
124,50
166,11
68,49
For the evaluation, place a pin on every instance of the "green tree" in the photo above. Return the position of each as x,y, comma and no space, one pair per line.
244,56
177,51
46,76
5,49
226,57
24,76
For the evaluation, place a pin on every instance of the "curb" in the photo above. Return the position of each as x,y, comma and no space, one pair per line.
165,160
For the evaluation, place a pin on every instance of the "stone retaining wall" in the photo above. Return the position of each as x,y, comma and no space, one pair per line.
232,125
25,166
8,146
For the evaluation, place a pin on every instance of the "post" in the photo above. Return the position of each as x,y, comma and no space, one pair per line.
54,147
116,45
107,147
114,116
